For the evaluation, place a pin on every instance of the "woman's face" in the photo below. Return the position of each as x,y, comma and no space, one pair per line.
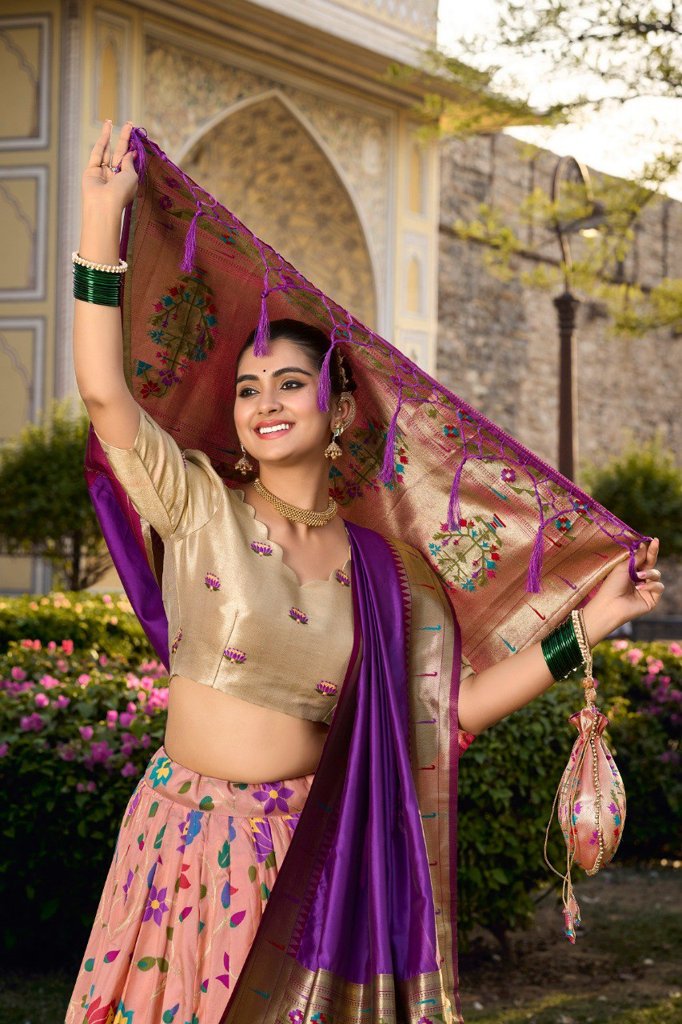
281,388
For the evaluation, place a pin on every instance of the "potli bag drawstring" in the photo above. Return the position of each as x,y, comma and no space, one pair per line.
590,796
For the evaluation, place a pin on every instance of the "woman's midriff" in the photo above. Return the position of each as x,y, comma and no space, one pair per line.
216,734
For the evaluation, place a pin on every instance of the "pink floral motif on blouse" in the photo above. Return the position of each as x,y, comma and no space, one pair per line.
234,655
324,686
212,581
260,547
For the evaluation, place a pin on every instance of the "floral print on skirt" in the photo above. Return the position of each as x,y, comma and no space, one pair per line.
194,864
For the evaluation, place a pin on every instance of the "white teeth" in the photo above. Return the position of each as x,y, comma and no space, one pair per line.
271,430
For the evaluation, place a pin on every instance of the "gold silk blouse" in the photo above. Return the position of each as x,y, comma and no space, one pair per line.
238,618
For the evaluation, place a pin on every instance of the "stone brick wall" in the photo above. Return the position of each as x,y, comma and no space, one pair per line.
498,344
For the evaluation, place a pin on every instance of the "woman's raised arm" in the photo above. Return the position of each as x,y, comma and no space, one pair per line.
97,335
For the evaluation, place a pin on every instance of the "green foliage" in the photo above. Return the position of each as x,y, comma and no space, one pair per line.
643,485
45,508
76,731
102,621
83,710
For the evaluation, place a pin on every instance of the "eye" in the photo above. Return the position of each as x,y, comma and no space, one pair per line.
244,393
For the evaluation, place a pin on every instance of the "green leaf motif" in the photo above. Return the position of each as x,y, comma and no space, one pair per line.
153,809
163,964
159,839
252,873
146,963
184,787
206,804
224,855
89,964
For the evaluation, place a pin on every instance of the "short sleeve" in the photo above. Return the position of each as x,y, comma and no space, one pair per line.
176,492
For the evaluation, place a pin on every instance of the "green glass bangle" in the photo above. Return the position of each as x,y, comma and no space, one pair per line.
98,286
562,651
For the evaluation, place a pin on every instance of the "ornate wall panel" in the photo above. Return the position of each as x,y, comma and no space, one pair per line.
24,76
23,206
22,346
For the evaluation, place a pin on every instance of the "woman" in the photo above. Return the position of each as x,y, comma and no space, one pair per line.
282,670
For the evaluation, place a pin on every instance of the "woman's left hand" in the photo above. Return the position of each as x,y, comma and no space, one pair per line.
618,592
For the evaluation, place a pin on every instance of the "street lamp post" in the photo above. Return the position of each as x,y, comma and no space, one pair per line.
567,304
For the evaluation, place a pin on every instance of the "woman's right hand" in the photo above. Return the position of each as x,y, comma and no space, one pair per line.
101,188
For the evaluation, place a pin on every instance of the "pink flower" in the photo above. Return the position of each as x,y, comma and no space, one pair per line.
31,723
145,740
112,719
62,701
128,769
107,599
4,749
42,700
125,719
654,665
52,646
619,645
675,648
18,673
67,646
100,752
86,787
66,753
635,655
86,731
62,665
49,682
103,660
83,679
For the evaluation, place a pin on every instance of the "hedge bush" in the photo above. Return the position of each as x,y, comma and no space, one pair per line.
79,720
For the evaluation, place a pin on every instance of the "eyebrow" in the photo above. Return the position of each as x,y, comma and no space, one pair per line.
275,373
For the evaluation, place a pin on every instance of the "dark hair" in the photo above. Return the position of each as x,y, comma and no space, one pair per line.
315,344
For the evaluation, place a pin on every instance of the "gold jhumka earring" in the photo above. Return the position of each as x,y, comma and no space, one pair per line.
333,450
244,466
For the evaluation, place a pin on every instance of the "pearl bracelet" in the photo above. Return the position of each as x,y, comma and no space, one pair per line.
120,269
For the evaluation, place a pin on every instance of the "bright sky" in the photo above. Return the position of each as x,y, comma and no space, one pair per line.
617,141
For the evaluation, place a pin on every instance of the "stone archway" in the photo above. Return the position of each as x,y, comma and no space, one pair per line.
266,167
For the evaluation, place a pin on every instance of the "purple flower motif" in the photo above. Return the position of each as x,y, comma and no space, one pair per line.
262,839
342,578
298,616
165,202
212,581
613,808
156,905
508,475
234,655
295,1016
260,547
189,829
176,641
273,795
327,688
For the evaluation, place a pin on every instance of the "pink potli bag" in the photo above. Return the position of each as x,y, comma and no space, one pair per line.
590,797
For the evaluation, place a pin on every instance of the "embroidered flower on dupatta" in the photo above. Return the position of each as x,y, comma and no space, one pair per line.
274,795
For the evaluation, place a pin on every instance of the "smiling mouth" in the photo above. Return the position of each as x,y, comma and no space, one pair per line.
273,431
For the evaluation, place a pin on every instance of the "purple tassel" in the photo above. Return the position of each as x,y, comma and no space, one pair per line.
262,336
454,511
389,451
191,243
136,145
535,564
324,386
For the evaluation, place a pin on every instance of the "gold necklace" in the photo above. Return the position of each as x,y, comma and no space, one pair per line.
293,512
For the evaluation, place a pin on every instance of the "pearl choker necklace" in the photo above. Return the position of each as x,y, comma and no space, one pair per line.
293,512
